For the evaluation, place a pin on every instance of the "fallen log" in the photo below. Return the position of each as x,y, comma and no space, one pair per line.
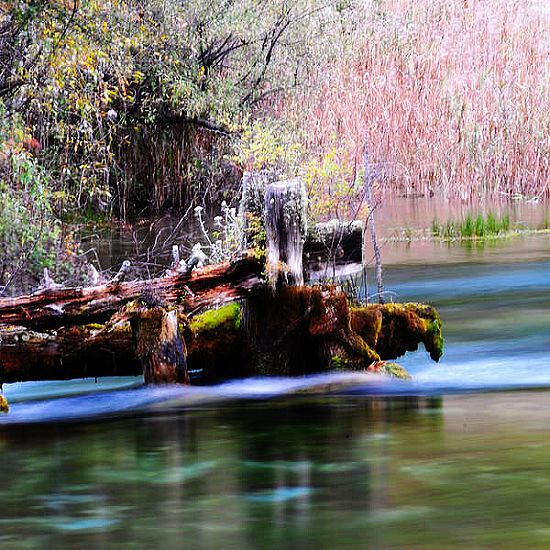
71,352
209,286
299,330
279,330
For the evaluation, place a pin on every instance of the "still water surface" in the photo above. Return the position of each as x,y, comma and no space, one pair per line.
458,457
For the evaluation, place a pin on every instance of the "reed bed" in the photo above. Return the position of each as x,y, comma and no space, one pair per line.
452,97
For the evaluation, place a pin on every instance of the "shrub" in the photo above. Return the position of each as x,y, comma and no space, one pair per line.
32,237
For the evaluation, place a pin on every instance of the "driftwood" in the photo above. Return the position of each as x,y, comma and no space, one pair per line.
205,287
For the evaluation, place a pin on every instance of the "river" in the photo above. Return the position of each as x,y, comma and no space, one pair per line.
458,456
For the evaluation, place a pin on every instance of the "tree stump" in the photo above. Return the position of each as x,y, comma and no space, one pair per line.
252,204
159,346
286,228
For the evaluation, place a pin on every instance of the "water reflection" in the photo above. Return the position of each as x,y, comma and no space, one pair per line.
467,471
238,474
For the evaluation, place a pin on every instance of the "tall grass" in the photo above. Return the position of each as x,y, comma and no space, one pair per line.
452,96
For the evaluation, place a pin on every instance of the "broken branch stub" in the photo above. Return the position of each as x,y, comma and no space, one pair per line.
159,346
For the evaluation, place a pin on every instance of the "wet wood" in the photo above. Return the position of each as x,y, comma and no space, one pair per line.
71,352
302,330
159,346
206,287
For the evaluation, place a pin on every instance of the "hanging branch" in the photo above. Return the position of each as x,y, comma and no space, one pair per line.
369,177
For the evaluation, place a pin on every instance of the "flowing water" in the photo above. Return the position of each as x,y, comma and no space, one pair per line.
458,456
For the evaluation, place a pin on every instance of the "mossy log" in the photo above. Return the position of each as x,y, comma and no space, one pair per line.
4,407
87,351
296,331
312,329
303,330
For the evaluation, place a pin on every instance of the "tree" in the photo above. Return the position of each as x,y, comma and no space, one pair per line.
138,102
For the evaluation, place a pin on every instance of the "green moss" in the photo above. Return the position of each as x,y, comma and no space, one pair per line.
342,363
399,328
213,318
215,343
431,333
380,367
434,338
95,326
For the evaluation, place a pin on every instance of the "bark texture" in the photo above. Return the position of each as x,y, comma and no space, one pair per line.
208,286
159,346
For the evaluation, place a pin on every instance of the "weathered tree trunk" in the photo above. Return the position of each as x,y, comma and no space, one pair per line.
159,346
285,227
252,205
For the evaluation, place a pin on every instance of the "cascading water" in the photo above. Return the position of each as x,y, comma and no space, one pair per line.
286,227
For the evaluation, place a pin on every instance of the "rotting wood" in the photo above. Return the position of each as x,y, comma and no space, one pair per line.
297,330
205,287
301,330
159,346
285,216
70,352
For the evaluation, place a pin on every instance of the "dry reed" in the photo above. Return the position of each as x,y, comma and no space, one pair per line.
452,96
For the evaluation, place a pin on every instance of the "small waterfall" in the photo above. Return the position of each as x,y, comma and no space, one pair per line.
286,227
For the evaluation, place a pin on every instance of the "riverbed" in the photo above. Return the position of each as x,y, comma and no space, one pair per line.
458,456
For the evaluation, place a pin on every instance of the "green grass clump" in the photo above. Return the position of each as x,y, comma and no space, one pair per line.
472,228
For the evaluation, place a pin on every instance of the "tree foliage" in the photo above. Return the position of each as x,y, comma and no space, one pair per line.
139,100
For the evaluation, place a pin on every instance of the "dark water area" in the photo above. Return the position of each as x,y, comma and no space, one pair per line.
456,457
